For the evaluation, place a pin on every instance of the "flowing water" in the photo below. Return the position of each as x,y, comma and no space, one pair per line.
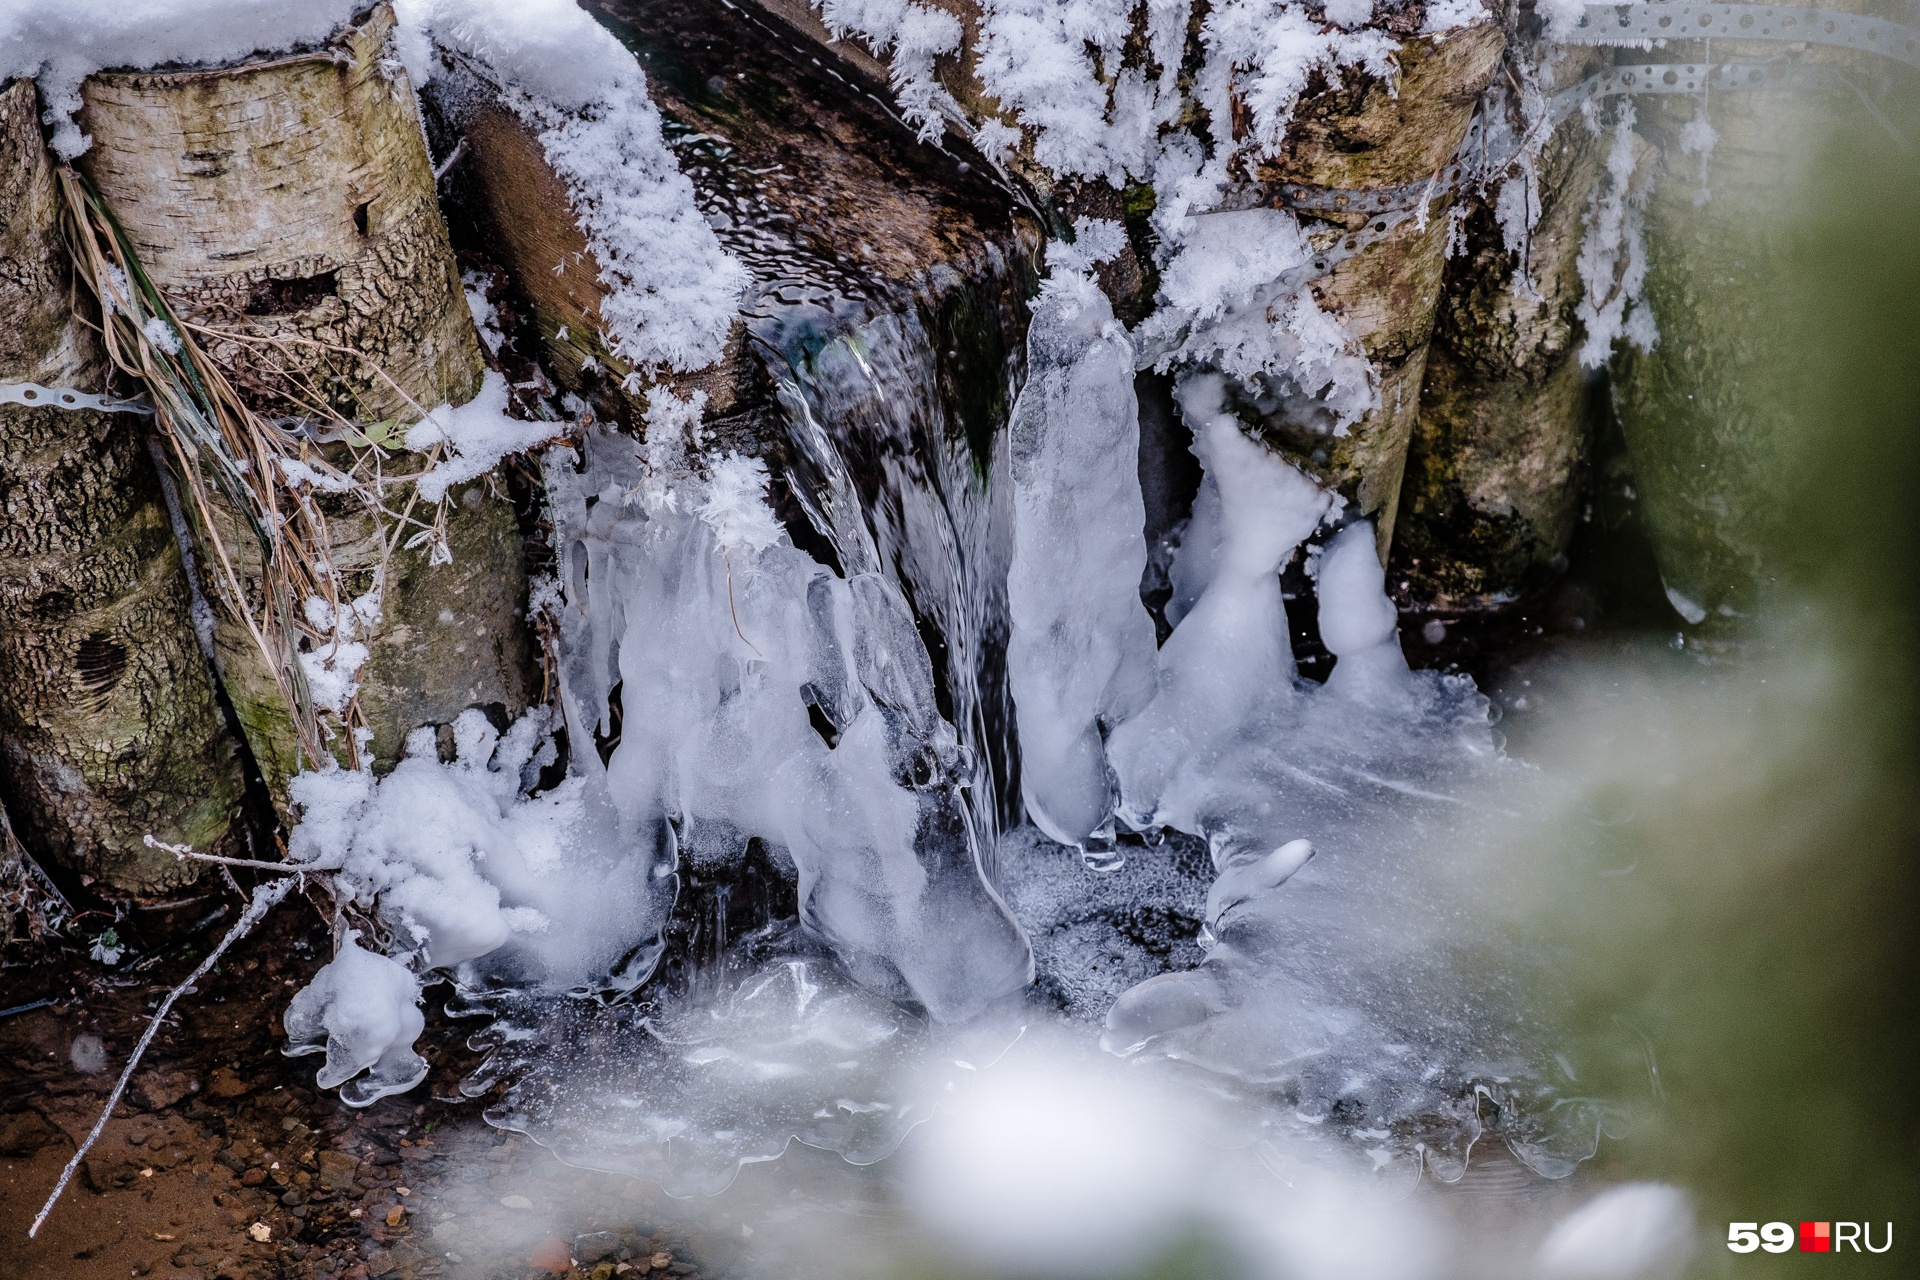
1359,984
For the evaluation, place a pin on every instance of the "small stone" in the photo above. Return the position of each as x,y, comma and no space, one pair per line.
260,1233
660,1261
223,1082
395,1215
551,1255
253,1177
515,1202
595,1246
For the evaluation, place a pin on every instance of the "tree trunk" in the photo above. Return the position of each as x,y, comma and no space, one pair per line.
1365,135
1709,414
109,723
294,200
1492,490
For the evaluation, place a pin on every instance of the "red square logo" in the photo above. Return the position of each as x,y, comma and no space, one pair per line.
1816,1237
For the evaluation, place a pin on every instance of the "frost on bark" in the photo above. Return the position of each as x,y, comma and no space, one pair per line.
1492,489
289,205
109,725
1367,133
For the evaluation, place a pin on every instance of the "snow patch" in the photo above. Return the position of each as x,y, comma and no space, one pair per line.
478,433
672,291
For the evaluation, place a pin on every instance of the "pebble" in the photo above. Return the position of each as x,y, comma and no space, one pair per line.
515,1202
595,1246
551,1255
394,1215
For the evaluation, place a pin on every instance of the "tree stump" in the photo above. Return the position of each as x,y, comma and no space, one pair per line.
110,728
292,201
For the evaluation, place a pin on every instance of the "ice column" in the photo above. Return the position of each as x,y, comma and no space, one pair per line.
1081,655
731,634
1228,664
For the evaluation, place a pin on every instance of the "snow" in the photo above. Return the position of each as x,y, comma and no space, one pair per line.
672,292
478,434
1263,52
331,667
916,34
1236,298
1039,58
1450,15
1081,653
1612,261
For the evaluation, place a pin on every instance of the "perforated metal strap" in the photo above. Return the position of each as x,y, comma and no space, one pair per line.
35,396
1633,24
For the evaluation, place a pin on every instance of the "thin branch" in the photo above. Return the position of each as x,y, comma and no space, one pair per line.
182,852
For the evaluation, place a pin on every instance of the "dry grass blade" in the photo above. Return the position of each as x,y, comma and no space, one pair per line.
240,467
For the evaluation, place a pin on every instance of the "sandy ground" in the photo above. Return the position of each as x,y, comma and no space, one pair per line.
224,1162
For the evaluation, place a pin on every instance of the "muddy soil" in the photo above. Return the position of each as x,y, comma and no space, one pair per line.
225,1162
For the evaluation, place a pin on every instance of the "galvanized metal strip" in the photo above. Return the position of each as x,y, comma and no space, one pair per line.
35,396
1637,24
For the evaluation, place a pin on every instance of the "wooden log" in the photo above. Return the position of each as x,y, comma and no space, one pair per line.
1493,488
291,201
110,729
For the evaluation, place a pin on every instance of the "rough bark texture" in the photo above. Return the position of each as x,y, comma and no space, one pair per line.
109,725
310,175
1492,488
294,198
1369,133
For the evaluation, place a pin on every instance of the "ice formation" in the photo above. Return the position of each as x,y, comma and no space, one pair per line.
362,1011
1081,653
1321,810
1613,256
723,635
741,691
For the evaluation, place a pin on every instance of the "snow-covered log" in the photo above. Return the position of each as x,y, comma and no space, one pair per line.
109,726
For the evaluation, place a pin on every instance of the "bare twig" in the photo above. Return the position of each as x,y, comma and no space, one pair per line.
182,852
